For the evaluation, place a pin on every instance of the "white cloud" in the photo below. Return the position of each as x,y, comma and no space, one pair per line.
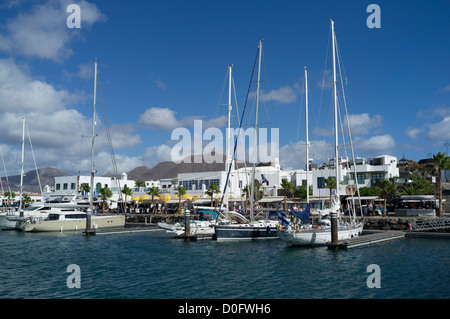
413,132
375,145
362,124
164,118
43,32
439,131
159,118
55,128
445,89
20,92
284,95
293,155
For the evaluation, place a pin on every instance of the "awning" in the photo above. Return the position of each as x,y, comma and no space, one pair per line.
272,199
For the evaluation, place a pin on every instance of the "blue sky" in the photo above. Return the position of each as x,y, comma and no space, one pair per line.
163,64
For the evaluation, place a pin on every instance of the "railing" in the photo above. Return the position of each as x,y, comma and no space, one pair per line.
430,224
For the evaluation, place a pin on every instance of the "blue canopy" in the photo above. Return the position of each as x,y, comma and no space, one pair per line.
303,215
208,212
283,219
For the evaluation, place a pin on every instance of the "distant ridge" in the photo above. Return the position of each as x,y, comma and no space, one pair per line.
170,169
162,170
30,181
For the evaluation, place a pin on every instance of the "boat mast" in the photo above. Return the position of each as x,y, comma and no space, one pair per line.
307,136
91,199
333,215
228,159
21,168
256,133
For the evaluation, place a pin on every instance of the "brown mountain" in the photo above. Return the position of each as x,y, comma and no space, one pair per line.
30,180
171,170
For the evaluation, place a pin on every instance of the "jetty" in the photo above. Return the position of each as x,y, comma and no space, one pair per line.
370,238
124,230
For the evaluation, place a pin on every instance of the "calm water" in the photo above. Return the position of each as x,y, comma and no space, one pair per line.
152,265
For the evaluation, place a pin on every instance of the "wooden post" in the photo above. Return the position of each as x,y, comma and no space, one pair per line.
187,225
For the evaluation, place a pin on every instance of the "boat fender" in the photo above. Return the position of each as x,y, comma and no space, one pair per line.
296,228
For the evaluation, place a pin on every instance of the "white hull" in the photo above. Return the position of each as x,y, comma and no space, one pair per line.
75,224
6,223
318,236
197,228
12,220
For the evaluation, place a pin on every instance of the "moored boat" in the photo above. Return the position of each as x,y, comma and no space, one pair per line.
71,221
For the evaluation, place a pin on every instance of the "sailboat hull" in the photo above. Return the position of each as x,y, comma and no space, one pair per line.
313,237
246,231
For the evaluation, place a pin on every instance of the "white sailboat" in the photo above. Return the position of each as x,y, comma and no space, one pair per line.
205,228
249,229
320,234
11,218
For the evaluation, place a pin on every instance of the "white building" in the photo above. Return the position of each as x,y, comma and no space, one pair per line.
71,186
368,170
269,176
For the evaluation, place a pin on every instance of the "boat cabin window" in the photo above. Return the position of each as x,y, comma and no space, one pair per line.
74,216
53,216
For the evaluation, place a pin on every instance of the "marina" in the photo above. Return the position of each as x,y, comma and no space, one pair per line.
152,265
148,191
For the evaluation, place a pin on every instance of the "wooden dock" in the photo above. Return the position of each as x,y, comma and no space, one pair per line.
125,230
367,239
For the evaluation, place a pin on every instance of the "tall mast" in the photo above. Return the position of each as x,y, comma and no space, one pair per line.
307,136
256,132
228,160
333,215
21,168
336,140
91,199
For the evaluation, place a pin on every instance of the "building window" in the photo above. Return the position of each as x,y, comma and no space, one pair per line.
320,182
58,187
72,185
377,177
65,186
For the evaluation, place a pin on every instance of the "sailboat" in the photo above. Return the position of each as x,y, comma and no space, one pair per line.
72,219
322,233
243,228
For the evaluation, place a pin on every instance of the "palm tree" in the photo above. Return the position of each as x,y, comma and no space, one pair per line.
300,192
127,192
180,192
330,183
139,183
154,191
387,187
26,200
10,195
105,193
247,190
287,187
442,161
213,189
85,188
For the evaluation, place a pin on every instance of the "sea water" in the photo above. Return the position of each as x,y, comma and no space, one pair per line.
152,265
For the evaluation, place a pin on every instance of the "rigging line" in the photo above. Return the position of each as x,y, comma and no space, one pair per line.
240,126
242,141
34,159
267,108
108,133
323,77
6,174
349,135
